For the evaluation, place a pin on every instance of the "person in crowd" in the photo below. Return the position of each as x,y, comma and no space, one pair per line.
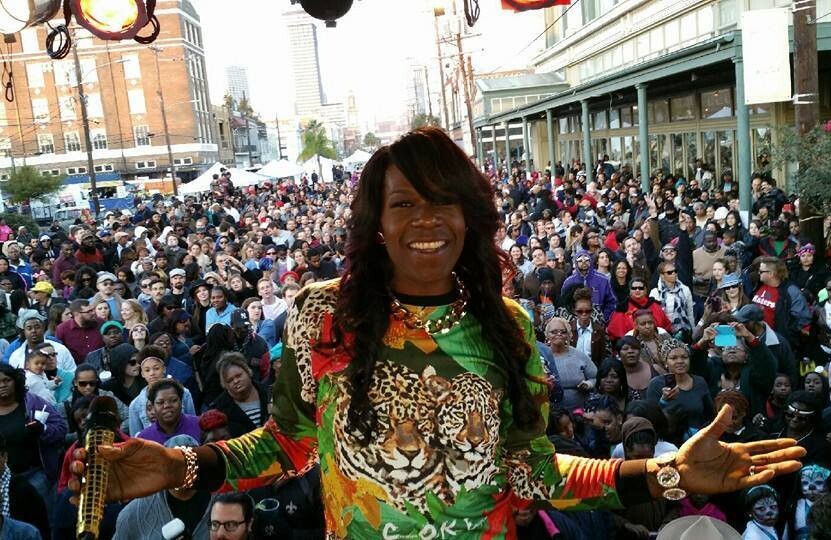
126,381
611,381
272,306
244,402
741,429
37,382
81,334
752,317
87,383
153,369
680,388
178,286
232,516
33,431
112,334
622,320
783,305
132,314
200,303
32,328
214,426
676,300
106,292
165,397
585,276
588,334
576,372
221,309
261,326
650,337
638,371
360,375
143,518
703,260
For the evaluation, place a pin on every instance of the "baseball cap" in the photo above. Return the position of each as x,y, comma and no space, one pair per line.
239,319
730,280
104,232
109,324
749,313
44,237
105,276
177,272
43,287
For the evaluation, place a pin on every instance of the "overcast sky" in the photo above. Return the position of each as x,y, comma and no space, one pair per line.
367,53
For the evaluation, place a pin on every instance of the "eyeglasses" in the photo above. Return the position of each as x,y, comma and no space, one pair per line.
145,285
582,311
132,362
670,272
229,526
637,288
731,287
85,384
86,312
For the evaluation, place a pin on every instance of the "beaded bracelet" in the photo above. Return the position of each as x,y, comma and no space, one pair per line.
191,468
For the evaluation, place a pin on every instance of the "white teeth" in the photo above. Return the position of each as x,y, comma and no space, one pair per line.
428,245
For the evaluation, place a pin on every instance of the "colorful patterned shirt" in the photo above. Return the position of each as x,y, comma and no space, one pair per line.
446,459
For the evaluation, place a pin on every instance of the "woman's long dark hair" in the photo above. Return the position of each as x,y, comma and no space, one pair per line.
19,379
440,171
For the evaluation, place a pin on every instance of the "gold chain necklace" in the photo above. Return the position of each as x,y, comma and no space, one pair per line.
455,313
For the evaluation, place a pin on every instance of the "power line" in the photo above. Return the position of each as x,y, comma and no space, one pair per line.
541,34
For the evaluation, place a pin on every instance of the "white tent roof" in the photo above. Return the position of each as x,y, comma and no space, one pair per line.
325,164
203,182
281,168
358,157
239,177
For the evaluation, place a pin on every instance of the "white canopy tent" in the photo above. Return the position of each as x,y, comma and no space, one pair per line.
326,165
358,158
281,168
239,177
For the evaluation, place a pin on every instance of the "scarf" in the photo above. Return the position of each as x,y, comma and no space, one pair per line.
4,491
678,317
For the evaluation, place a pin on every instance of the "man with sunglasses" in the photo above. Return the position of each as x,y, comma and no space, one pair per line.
585,276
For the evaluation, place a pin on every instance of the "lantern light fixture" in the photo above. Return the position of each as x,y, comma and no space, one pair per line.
112,20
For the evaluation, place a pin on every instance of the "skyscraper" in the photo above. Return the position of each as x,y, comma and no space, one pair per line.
308,89
236,82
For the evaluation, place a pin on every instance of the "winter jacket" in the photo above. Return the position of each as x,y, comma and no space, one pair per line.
622,320
51,438
602,294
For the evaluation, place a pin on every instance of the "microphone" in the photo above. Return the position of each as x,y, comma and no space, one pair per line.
101,425
175,530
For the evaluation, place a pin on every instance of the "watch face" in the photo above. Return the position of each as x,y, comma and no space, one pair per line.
674,494
665,458
668,477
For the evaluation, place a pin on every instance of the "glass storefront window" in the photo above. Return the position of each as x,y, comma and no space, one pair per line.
564,157
691,142
708,140
653,152
628,150
615,147
563,123
761,147
599,120
659,111
664,149
682,108
614,119
626,117
677,153
717,104
725,150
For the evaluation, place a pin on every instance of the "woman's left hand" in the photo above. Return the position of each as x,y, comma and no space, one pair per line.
709,466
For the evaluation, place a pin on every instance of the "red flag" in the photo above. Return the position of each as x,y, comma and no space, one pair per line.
525,5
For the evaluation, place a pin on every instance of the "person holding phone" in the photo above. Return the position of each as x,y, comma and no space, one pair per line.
688,393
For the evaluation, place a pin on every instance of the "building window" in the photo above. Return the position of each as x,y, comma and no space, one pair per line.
183,161
67,107
599,120
71,142
145,164
46,144
142,134
104,168
52,172
99,139
76,170
94,107
40,110
34,72
136,99
5,146
682,108
717,104
132,68
29,37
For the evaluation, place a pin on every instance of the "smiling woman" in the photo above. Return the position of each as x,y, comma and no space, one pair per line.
417,388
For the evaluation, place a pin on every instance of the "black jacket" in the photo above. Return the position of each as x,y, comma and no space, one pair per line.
238,422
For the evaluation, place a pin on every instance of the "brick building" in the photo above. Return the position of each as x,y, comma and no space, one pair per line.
42,127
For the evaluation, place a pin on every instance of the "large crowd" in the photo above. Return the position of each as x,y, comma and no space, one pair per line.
652,310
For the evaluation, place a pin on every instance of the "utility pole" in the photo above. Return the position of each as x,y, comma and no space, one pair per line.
82,98
279,139
806,102
156,50
117,112
438,12
468,104
427,91
248,131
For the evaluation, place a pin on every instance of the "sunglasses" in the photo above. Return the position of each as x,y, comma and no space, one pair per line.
670,272
132,362
792,412
582,311
637,288
85,384
731,287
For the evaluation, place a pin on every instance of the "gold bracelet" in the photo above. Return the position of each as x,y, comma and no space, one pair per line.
191,468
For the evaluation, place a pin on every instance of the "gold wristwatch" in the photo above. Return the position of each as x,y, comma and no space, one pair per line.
668,477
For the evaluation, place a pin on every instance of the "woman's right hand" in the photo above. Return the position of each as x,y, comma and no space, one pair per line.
138,468
668,394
